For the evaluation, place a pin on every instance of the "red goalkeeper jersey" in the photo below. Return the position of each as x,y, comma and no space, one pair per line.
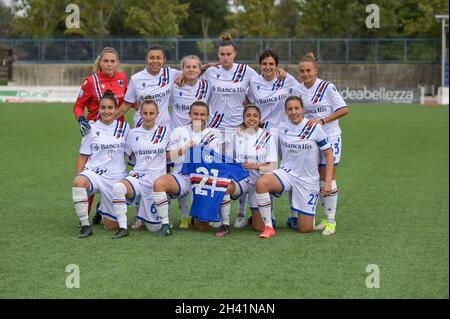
93,88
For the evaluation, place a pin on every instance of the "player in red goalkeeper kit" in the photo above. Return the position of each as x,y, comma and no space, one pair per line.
94,86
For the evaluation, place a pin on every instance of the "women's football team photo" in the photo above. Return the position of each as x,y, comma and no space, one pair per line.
203,136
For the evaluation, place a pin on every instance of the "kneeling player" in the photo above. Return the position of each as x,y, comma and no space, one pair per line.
148,143
100,165
255,148
298,170
181,140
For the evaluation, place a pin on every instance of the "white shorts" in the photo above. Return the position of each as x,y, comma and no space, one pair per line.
246,186
142,185
304,199
336,148
184,185
104,185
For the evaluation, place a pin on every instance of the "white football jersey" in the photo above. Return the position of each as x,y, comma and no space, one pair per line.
209,138
259,148
105,145
322,100
181,99
300,149
158,87
270,96
229,89
149,148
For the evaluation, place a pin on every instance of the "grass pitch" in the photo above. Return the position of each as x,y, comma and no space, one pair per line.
393,211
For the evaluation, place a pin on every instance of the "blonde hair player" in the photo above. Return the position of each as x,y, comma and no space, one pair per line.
105,77
181,98
323,105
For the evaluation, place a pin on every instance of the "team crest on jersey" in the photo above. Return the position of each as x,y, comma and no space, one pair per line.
143,84
217,75
137,138
208,158
120,82
148,159
98,133
81,93
226,97
258,86
180,93
103,86
111,153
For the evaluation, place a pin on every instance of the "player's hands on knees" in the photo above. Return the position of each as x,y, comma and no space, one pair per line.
85,128
326,189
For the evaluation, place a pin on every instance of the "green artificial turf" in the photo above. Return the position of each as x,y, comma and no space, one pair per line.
393,211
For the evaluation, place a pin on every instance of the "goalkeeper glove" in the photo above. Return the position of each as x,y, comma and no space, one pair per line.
85,128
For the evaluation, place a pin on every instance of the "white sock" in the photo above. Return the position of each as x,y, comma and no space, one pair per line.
80,201
136,207
329,203
272,211
265,206
162,206
225,207
183,204
120,204
242,205
292,214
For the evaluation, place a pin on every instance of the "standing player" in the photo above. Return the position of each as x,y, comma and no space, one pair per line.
181,140
181,98
229,84
148,143
300,146
155,81
269,93
323,105
106,77
256,149
100,164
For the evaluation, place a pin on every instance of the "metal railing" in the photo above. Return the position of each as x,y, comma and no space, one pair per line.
132,50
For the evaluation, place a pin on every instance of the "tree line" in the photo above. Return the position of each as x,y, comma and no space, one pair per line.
209,18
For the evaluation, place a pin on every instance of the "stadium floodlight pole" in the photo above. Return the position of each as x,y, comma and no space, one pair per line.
444,23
